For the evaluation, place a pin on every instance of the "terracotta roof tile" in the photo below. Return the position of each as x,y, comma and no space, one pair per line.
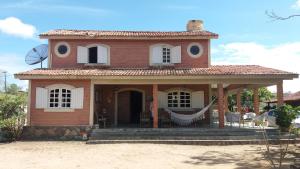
217,70
128,34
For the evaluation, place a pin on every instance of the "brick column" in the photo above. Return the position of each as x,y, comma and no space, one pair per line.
280,93
226,102
239,101
155,105
256,101
221,105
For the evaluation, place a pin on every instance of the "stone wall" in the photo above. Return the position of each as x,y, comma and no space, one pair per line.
55,132
2,138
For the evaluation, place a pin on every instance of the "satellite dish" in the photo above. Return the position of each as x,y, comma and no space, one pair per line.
37,55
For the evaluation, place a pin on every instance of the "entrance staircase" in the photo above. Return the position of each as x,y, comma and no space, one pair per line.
201,136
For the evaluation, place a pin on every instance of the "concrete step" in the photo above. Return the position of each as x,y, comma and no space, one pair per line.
191,142
182,137
183,134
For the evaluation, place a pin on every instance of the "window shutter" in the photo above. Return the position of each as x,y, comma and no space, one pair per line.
77,98
198,99
82,54
156,55
41,97
176,54
162,99
102,54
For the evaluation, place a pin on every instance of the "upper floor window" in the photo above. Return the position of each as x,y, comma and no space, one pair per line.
166,55
195,50
161,54
94,54
62,49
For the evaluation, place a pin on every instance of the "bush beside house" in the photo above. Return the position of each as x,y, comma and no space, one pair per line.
12,115
285,115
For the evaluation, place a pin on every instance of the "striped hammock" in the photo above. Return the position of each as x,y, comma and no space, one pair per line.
187,119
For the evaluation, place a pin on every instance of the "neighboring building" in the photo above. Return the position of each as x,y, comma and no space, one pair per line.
290,99
122,73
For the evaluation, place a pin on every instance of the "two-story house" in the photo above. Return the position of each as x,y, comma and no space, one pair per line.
125,73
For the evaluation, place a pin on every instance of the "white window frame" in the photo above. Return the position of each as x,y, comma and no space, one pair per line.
162,45
60,87
60,98
62,55
200,48
179,99
166,55
96,45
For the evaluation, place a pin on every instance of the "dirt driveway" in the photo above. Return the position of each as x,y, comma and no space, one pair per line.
78,155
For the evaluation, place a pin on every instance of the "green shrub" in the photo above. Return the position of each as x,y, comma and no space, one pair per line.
12,127
11,105
12,115
285,116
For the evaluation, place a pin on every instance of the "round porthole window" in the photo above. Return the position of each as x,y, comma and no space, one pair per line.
195,50
62,49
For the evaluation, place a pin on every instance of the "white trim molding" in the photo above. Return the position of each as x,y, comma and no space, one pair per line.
29,103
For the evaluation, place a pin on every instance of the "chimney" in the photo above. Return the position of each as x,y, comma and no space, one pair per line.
194,25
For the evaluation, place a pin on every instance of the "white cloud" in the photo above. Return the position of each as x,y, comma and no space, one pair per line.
296,5
284,57
14,26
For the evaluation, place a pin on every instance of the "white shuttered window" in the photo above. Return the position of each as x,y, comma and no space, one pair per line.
59,97
162,54
93,54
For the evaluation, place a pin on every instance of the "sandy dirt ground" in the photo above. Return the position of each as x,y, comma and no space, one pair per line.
78,155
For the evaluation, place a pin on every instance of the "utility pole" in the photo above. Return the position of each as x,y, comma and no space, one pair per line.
5,85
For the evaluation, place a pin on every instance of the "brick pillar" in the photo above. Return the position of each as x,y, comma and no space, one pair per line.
155,106
280,93
221,105
226,102
256,101
239,101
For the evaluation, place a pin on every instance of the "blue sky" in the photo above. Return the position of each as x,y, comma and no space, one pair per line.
247,35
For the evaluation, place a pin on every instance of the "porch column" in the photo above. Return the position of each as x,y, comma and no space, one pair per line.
280,101
256,101
226,101
238,101
221,105
155,106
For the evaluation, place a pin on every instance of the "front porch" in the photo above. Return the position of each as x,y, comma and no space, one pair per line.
142,105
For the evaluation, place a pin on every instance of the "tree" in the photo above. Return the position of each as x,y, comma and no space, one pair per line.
275,17
247,98
13,89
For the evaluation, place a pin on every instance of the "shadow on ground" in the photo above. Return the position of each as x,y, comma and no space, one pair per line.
211,158
252,158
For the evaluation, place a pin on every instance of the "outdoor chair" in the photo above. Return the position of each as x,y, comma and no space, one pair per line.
233,118
249,118
164,119
102,119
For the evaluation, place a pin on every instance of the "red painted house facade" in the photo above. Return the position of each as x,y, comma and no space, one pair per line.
126,73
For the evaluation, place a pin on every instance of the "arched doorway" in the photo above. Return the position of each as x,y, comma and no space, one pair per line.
129,105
